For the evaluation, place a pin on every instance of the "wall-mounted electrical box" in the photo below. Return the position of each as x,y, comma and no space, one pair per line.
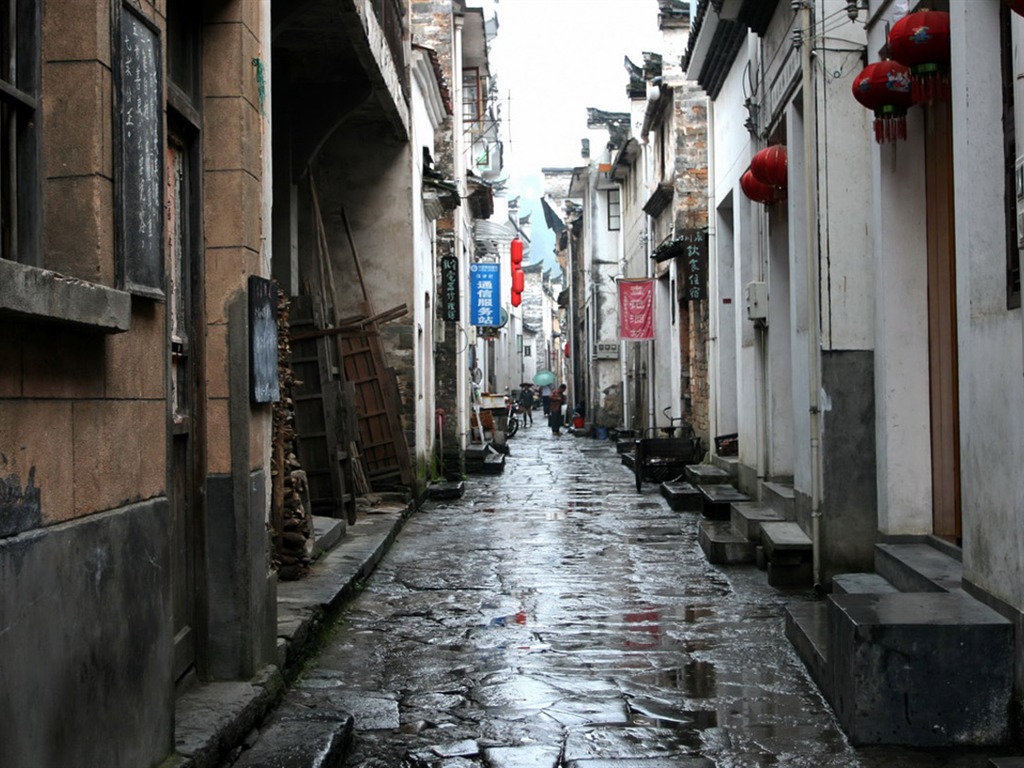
756,296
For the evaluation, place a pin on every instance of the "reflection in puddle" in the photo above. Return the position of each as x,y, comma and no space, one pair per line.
696,679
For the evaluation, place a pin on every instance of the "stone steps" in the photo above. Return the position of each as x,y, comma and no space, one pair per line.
895,653
706,474
681,496
722,545
717,500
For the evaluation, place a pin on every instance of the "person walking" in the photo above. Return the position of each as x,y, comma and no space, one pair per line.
555,410
545,399
526,403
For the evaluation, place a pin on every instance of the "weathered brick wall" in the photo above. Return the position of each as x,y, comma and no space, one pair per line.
691,180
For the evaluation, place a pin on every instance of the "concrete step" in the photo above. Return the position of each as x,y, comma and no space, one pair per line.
781,497
785,543
682,497
1006,762
311,743
706,474
861,583
786,575
717,498
747,517
722,545
807,630
917,567
327,532
906,669
446,489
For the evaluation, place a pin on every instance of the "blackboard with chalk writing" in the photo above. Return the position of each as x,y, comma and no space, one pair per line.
263,340
140,172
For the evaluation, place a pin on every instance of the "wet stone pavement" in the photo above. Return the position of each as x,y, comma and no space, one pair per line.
553,617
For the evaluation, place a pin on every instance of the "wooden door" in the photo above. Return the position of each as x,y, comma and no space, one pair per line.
185,499
942,332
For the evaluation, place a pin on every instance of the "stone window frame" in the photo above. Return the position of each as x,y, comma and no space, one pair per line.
27,289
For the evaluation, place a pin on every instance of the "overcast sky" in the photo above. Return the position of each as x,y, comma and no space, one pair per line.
555,58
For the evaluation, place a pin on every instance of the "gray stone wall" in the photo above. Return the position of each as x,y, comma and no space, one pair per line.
86,641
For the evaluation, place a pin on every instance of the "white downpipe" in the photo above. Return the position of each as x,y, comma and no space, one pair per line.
813,330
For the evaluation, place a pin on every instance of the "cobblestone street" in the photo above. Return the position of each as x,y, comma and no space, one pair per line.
555,617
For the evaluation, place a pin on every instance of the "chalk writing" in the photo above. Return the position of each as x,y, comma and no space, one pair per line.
140,190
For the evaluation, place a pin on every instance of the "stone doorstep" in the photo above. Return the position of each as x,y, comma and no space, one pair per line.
313,743
861,583
807,630
328,532
787,575
681,497
784,539
441,490
722,545
747,517
716,500
705,474
938,694
918,567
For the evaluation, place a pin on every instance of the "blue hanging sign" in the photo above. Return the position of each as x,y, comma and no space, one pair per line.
484,294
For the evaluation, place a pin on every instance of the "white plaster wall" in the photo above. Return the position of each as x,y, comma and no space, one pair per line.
898,247
726,314
844,174
423,281
990,335
729,157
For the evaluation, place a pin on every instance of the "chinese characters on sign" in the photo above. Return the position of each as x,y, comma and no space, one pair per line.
636,309
694,262
449,288
484,294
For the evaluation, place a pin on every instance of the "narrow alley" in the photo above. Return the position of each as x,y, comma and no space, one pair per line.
554,617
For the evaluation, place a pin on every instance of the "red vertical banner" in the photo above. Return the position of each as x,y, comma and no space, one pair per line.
636,309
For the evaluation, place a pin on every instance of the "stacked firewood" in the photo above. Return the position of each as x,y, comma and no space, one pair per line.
292,522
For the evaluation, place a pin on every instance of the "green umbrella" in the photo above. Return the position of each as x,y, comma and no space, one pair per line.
544,378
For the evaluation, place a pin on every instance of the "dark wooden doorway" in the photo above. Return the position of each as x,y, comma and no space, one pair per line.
184,315
942,331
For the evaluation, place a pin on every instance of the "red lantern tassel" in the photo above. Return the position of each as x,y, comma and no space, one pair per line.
890,128
929,83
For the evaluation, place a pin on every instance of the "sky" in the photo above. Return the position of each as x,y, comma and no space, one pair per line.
553,59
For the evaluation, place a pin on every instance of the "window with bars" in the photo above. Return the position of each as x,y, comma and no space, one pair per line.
19,140
474,89
614,210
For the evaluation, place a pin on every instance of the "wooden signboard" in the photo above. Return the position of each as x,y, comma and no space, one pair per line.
140,166
263,340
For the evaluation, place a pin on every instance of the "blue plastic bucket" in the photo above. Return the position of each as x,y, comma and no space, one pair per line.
602,433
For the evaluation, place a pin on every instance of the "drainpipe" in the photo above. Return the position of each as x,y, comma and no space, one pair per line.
813,330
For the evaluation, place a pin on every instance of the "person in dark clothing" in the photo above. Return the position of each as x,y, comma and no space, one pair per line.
526,403
555,410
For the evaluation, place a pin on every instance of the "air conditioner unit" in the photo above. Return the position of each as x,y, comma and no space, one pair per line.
756,296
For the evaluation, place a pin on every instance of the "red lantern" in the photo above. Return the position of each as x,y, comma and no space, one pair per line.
921,41
769,166
885,88
756,190
516,252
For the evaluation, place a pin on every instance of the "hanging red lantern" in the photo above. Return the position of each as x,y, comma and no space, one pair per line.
757,190
769,166
921,41
885,88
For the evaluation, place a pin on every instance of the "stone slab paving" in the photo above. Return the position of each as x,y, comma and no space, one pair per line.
553,617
